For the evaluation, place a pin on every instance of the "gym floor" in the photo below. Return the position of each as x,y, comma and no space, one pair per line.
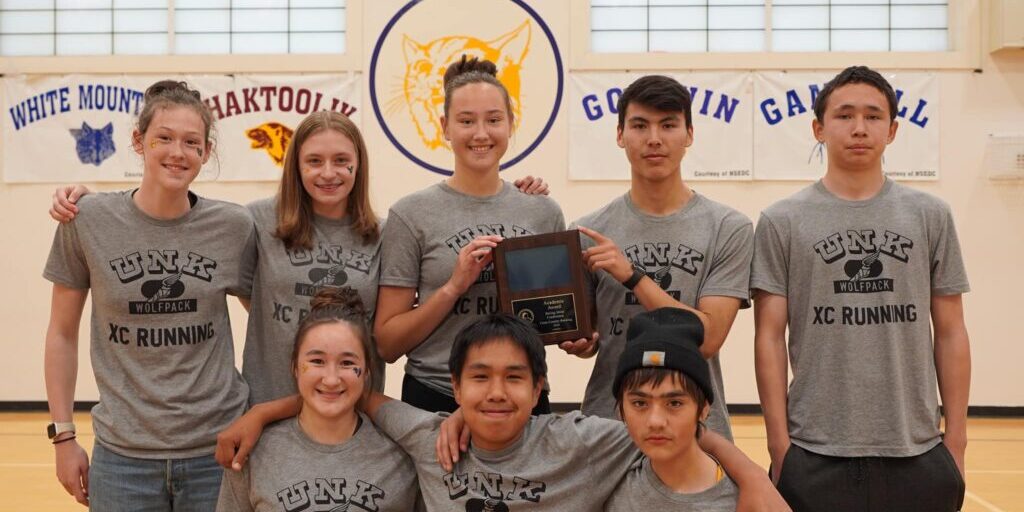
995,461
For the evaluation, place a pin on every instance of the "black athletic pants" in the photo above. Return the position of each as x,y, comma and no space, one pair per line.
417,394
929,482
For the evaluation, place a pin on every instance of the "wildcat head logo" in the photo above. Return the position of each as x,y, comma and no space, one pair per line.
422,94
410,77
272,137
94,146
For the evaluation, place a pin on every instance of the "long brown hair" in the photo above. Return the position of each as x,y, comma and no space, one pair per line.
295,206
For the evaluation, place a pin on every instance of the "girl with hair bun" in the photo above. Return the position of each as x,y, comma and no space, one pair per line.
436,248
159,261
329,450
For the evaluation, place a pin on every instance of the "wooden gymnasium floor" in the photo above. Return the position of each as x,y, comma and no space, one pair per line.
995,462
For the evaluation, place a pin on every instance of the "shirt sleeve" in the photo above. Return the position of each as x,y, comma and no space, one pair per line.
729,275
67,265
248,261
770,269
400,254
234,492
415,430
610,450
559,219
948,275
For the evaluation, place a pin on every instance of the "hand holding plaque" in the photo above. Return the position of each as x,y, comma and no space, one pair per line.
540,279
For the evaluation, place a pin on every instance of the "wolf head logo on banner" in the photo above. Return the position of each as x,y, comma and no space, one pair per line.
422,39
94,145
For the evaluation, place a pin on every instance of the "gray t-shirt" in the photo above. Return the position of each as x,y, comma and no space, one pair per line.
642,490
859,277
422,240
702,250
560,463
289,472
160,338
284,282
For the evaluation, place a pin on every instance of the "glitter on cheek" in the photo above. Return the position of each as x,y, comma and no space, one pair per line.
152,144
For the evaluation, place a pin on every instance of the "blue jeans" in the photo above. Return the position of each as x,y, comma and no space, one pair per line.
118,483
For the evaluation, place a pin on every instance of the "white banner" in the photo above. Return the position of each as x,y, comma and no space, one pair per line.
722,126
784,144
77,128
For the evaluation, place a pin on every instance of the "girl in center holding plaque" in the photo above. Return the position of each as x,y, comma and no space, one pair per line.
436,248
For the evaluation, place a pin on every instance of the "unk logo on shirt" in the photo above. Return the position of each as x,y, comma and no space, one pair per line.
863,267
657,259
166,269
330,495
329,263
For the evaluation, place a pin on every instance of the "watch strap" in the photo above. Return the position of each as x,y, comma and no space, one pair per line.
633,279
55,429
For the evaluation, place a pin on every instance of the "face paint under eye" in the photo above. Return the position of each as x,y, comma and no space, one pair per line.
356,370
303,368
350,170
200,152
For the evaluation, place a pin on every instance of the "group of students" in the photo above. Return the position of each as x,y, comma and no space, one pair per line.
333,293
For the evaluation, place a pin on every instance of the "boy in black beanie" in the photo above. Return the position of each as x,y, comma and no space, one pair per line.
663,391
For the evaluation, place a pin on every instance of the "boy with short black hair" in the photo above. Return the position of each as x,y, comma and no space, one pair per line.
663,389
661,243
855,266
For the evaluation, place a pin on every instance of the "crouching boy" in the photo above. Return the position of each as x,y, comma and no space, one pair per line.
663,391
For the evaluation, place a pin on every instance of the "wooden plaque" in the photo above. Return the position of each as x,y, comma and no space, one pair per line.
540,279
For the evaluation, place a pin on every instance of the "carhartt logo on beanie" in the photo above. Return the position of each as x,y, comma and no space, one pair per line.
668,338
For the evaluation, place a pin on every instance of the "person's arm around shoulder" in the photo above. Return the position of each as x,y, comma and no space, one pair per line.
756,491
531,186
65,198
771,366
236,442
953,369
61,371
